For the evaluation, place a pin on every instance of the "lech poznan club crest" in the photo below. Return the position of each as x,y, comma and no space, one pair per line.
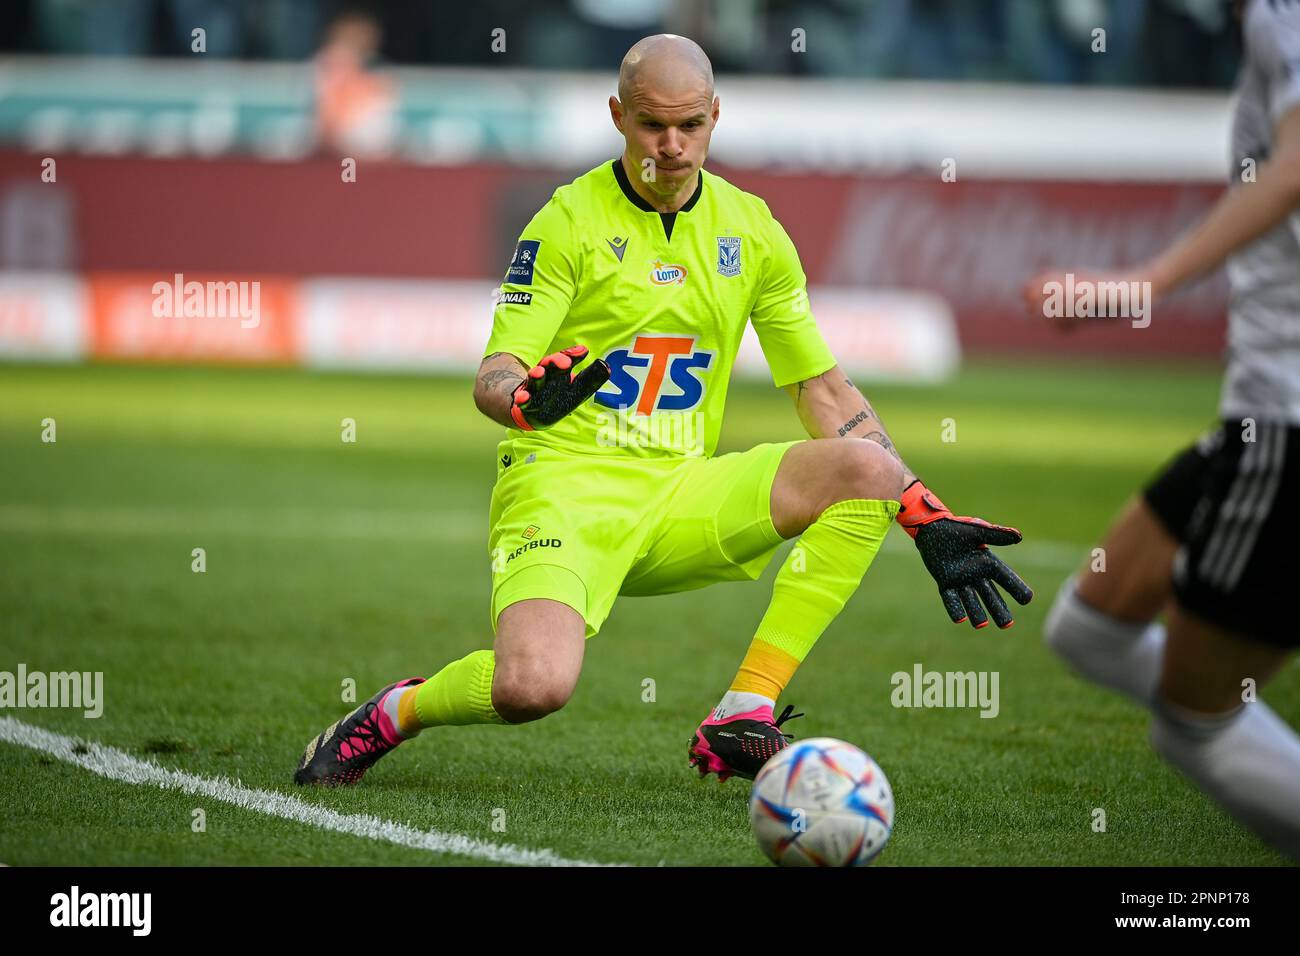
729,255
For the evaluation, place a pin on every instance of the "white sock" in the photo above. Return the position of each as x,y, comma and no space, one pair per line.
1249,761
390,702
1117,654
739,702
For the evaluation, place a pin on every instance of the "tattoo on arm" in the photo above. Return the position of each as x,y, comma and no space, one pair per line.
866,425
882,439
853,423
494,378
494,388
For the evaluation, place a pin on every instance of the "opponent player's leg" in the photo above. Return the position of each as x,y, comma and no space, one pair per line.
841,496
1238,751
1101,623
1102,620
1233,620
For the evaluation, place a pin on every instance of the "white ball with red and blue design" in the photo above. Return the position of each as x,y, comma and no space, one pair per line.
821,802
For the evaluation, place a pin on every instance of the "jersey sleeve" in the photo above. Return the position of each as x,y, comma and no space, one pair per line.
538,287
1276,45
792,344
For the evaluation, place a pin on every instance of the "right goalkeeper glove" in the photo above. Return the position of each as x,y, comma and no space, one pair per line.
955,552
552,390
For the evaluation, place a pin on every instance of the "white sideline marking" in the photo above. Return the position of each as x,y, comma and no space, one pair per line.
362,524
118,765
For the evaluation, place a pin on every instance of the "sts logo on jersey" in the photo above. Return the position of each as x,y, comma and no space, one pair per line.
660,355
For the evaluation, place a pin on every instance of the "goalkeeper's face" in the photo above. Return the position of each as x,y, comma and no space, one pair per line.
667,132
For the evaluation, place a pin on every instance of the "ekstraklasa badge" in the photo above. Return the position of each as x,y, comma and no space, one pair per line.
729,255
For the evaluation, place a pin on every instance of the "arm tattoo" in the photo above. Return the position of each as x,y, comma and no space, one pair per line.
883,441
853,423
492,379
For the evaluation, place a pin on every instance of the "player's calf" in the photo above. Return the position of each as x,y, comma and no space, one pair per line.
1238,751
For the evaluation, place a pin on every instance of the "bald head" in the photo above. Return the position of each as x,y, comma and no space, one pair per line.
665,111
665,64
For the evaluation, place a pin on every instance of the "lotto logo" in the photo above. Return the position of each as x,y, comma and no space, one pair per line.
667,273
660,355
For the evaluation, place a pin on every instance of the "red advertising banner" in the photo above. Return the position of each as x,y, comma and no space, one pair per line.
976,242
971,242
193,317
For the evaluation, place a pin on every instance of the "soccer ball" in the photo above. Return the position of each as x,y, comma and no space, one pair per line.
821,802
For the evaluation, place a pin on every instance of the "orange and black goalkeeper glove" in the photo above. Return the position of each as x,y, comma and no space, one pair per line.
955,552
552,389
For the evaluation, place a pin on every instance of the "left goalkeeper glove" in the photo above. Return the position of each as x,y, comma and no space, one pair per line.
552,389
955,552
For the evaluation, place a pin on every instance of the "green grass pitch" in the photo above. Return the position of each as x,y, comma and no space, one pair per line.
328,561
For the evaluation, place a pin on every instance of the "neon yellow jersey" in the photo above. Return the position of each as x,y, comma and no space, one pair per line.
664,299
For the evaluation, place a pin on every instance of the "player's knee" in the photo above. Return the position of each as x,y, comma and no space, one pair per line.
1079,632
868,470
521,694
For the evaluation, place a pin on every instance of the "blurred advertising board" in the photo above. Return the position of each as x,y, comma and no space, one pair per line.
971,243
410,325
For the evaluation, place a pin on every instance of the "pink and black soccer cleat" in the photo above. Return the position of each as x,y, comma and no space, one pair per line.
739,745
348,748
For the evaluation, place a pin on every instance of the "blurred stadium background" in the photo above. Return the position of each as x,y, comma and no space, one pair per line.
226,164
371,166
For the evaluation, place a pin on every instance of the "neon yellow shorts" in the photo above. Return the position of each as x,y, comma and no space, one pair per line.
583,529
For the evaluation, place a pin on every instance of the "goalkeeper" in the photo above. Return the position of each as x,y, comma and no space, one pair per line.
613,340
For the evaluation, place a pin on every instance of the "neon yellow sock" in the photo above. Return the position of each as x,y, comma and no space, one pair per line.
460,693
818,577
